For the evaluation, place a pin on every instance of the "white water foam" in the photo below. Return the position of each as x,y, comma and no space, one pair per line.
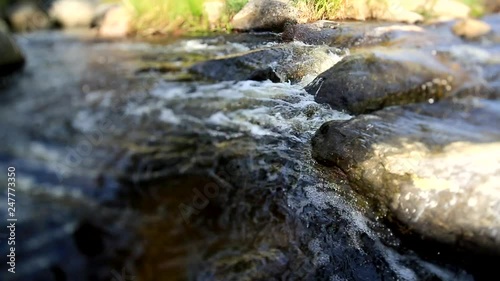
261,108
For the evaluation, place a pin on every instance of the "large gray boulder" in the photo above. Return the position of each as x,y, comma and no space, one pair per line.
290,62
435,168
369,81
11,58
264,15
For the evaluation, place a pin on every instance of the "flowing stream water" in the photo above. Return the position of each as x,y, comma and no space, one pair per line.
129,168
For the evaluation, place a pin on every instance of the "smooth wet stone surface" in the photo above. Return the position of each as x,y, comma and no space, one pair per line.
282,63
434,167
11,57
370,81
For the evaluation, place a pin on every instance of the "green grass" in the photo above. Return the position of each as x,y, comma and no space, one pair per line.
177,16
166,16
313,10
234,6
320,9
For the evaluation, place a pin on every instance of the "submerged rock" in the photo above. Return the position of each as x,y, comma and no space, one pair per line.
279,64
435,167
11,58
270,15
367,82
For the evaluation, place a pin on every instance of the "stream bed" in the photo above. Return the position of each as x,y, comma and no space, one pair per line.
131,168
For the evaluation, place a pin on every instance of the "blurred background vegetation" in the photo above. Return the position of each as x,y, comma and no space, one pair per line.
167,16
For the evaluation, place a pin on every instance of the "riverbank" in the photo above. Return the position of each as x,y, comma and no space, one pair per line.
167,17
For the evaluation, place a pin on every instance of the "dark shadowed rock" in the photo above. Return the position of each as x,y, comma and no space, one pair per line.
340,34
318,33
11,57
280,64
270,15
435,167
367,82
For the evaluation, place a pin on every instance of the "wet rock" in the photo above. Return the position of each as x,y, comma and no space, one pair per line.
73,13
279,64
370,81
27,16
11,58
317,33
269,15
471,28
94,245
116,23
434,167
3,26
153,143
353,34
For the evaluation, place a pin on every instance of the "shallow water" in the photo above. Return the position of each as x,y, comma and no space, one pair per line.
127,166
